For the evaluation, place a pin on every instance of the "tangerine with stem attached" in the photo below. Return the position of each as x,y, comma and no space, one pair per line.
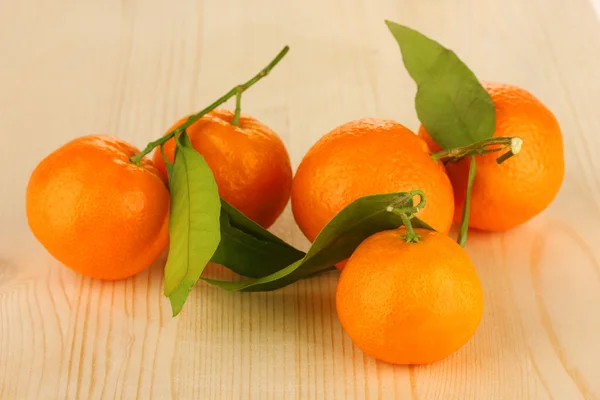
508,195
249,161
95,211
409,303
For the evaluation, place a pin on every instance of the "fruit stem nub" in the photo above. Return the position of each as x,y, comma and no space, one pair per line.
514,148
411,236
137,159
406,213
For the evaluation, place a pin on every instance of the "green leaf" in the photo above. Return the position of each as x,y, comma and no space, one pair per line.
336,241
194,222
248,249
178,298
451,103
240,221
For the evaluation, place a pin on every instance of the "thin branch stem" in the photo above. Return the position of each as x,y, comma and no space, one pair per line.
136,159
411,235
238,106
504,157
464,223
409,211
513,144
406,213
422,200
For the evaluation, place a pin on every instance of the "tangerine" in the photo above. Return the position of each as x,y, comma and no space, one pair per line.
250,162
507,195
366,157
409,303
95,211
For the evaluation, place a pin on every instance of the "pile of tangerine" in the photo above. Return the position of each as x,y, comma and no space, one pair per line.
404,303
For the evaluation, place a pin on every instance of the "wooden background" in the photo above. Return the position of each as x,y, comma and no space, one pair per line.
132,67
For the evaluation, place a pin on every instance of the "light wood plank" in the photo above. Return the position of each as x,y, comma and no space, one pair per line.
131,68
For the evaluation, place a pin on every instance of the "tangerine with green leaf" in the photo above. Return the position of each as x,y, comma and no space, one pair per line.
366,157
250,162
507,195
409,303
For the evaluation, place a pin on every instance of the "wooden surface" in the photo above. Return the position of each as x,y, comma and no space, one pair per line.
131,68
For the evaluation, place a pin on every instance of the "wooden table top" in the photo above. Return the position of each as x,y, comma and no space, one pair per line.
131,68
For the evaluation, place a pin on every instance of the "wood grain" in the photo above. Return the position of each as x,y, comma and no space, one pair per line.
131,68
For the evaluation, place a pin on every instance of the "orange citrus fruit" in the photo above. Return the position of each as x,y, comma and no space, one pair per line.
509,194
409,303
367,157
250,163
95,211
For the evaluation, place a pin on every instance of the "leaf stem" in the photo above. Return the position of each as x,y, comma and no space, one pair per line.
136,159
238,106
501,143
464,223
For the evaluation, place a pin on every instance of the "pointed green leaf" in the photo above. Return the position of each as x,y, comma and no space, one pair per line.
451,103
336,241
240,221
194,222
178,298
248,249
